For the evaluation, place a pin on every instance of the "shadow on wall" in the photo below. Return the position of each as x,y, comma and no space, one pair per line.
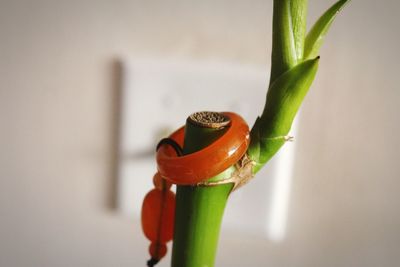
115,98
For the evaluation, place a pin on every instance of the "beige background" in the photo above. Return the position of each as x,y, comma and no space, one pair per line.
57,115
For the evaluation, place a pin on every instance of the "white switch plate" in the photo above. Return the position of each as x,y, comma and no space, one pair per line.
158,95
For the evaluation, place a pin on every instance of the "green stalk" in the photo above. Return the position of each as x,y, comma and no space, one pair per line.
199,210
294,65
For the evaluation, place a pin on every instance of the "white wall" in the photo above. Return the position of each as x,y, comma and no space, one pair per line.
57,119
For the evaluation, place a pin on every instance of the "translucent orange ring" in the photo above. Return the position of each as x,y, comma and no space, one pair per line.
208,162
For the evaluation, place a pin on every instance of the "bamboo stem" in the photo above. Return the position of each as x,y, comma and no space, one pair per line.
293,68
199,210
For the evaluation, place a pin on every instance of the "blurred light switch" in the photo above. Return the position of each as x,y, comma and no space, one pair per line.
157,96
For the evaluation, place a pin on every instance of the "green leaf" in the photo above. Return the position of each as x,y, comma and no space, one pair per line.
287,92
284,98
283,43
298,12
317,33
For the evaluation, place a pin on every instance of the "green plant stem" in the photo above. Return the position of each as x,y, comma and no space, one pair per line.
293,68
199,210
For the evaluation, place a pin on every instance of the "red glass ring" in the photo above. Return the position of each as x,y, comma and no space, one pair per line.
208,162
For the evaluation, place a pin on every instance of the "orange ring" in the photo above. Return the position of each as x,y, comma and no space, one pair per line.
208,162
